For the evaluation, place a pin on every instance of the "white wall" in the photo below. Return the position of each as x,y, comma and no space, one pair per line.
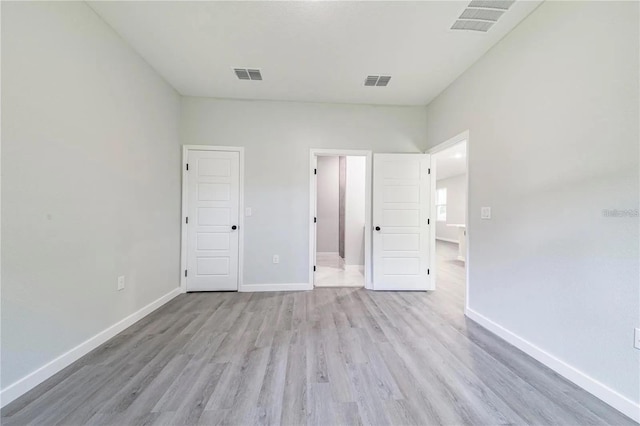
90,185
277,137
456,201
552,113
355,210
328,180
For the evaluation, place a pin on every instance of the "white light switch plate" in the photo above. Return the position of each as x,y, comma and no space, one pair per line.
121,282
276,258
636,338
247,211
485,212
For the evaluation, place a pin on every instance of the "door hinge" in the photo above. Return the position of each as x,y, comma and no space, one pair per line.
315,171
428,171
314,268
315,220
187,219
427,271
187,166
185,272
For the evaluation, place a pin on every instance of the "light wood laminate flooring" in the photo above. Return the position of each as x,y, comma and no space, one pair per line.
324,357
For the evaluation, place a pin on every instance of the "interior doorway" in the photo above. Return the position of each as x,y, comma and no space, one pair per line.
450,211
340,213
340,229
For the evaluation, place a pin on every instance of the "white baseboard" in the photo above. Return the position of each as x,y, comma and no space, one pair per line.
33,379
449,240
591,385
250,288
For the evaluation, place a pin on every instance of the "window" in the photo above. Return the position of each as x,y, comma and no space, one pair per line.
441,205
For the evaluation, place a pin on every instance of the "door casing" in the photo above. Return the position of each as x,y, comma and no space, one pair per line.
461,137
185,176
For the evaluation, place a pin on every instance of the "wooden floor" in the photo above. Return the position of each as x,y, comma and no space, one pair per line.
324,357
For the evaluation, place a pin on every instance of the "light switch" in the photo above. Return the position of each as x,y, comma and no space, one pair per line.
485,212
247,211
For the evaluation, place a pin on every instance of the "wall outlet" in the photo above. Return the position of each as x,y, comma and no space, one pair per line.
485,212
121,282
636,338
276,258
247,211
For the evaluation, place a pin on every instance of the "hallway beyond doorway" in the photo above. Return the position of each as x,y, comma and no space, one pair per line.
451,275
331,272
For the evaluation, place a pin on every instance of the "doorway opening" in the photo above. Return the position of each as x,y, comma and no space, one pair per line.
450,210
341,213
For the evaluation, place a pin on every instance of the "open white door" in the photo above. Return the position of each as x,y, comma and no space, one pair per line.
401,197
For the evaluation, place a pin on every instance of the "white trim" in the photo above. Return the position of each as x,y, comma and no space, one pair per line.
591,385
38,376
433,227
313,153
251,288
313,164
328,253
461,137
449,240
183,225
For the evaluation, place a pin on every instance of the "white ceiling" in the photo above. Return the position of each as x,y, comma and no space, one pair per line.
451,161
308,51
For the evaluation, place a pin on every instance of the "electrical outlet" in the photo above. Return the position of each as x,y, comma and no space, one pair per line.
121,282
485,212
636,338
276,258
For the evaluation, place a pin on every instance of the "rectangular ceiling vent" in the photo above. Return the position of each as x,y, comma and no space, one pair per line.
480,15
248,73
377,80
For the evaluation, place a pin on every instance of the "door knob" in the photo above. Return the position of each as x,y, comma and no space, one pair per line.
377,228
234,227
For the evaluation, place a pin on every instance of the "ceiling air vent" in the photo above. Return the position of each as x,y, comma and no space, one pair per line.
248,73
377,80
472,25
480,15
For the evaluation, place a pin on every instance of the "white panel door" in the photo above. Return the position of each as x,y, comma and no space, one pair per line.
213,185
401,197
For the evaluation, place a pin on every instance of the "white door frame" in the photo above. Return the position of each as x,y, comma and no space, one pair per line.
185,175
462,137
313,153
